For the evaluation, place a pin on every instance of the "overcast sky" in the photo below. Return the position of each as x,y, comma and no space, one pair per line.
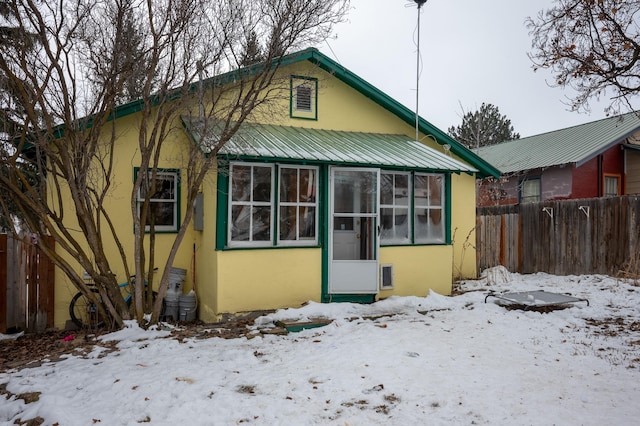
472,52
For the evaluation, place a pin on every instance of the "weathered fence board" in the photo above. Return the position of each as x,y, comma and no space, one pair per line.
26,286
4,288
598,235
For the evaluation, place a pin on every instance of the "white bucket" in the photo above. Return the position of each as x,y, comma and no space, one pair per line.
176,280
188,304
171,306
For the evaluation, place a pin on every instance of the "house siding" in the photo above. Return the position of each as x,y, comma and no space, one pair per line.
632,172
410,275
119,204
556,183
229,281
585,180
266,279
567,181
588,178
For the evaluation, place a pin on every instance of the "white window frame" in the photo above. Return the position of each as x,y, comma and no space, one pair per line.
527,198
251,204
162,174
610,178
394,207
430,239
298,204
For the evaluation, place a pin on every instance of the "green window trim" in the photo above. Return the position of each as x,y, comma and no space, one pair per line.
175,199
222,203
428,214
303,201
447,206
251,204
303,97
225,205
389,202
222,213
392,208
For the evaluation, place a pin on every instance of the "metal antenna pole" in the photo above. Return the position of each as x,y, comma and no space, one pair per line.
419,3
418,73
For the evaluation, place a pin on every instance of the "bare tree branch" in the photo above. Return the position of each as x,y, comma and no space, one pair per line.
89,56
591,46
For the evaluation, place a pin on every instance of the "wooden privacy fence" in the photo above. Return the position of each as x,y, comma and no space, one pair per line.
569,237
26,286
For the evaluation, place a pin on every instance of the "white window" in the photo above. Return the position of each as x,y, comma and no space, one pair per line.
163,192
395,194
530,191
611,186
428,201
298,206
250,207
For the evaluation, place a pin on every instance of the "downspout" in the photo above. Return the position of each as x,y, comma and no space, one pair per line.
600,176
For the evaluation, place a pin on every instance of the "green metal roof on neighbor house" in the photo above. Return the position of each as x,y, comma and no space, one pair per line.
264,141
312,55
577,144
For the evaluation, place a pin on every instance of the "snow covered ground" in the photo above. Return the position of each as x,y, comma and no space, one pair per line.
434,360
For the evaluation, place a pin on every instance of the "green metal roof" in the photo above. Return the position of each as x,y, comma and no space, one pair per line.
314,56
407,115
577,144
262,141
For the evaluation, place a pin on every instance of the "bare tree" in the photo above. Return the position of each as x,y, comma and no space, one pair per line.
591,46
88,58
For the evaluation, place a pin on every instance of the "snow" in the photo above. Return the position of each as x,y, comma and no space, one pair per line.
403,360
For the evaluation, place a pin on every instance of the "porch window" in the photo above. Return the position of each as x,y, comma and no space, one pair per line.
298,205
428,201
395,194
530,191
250,207
163,193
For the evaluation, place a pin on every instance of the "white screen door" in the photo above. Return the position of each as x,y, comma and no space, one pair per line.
353,236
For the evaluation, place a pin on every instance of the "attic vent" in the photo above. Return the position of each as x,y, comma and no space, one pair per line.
386,277
303,97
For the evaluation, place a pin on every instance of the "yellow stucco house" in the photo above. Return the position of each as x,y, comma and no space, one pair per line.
330,198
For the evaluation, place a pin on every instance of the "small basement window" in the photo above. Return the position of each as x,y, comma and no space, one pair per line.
386,277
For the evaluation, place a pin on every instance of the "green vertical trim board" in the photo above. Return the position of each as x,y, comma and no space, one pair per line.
222,205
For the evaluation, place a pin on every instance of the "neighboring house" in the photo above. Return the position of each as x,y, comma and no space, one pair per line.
597,159
332,200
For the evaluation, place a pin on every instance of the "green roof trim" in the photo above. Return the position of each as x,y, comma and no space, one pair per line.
576,144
